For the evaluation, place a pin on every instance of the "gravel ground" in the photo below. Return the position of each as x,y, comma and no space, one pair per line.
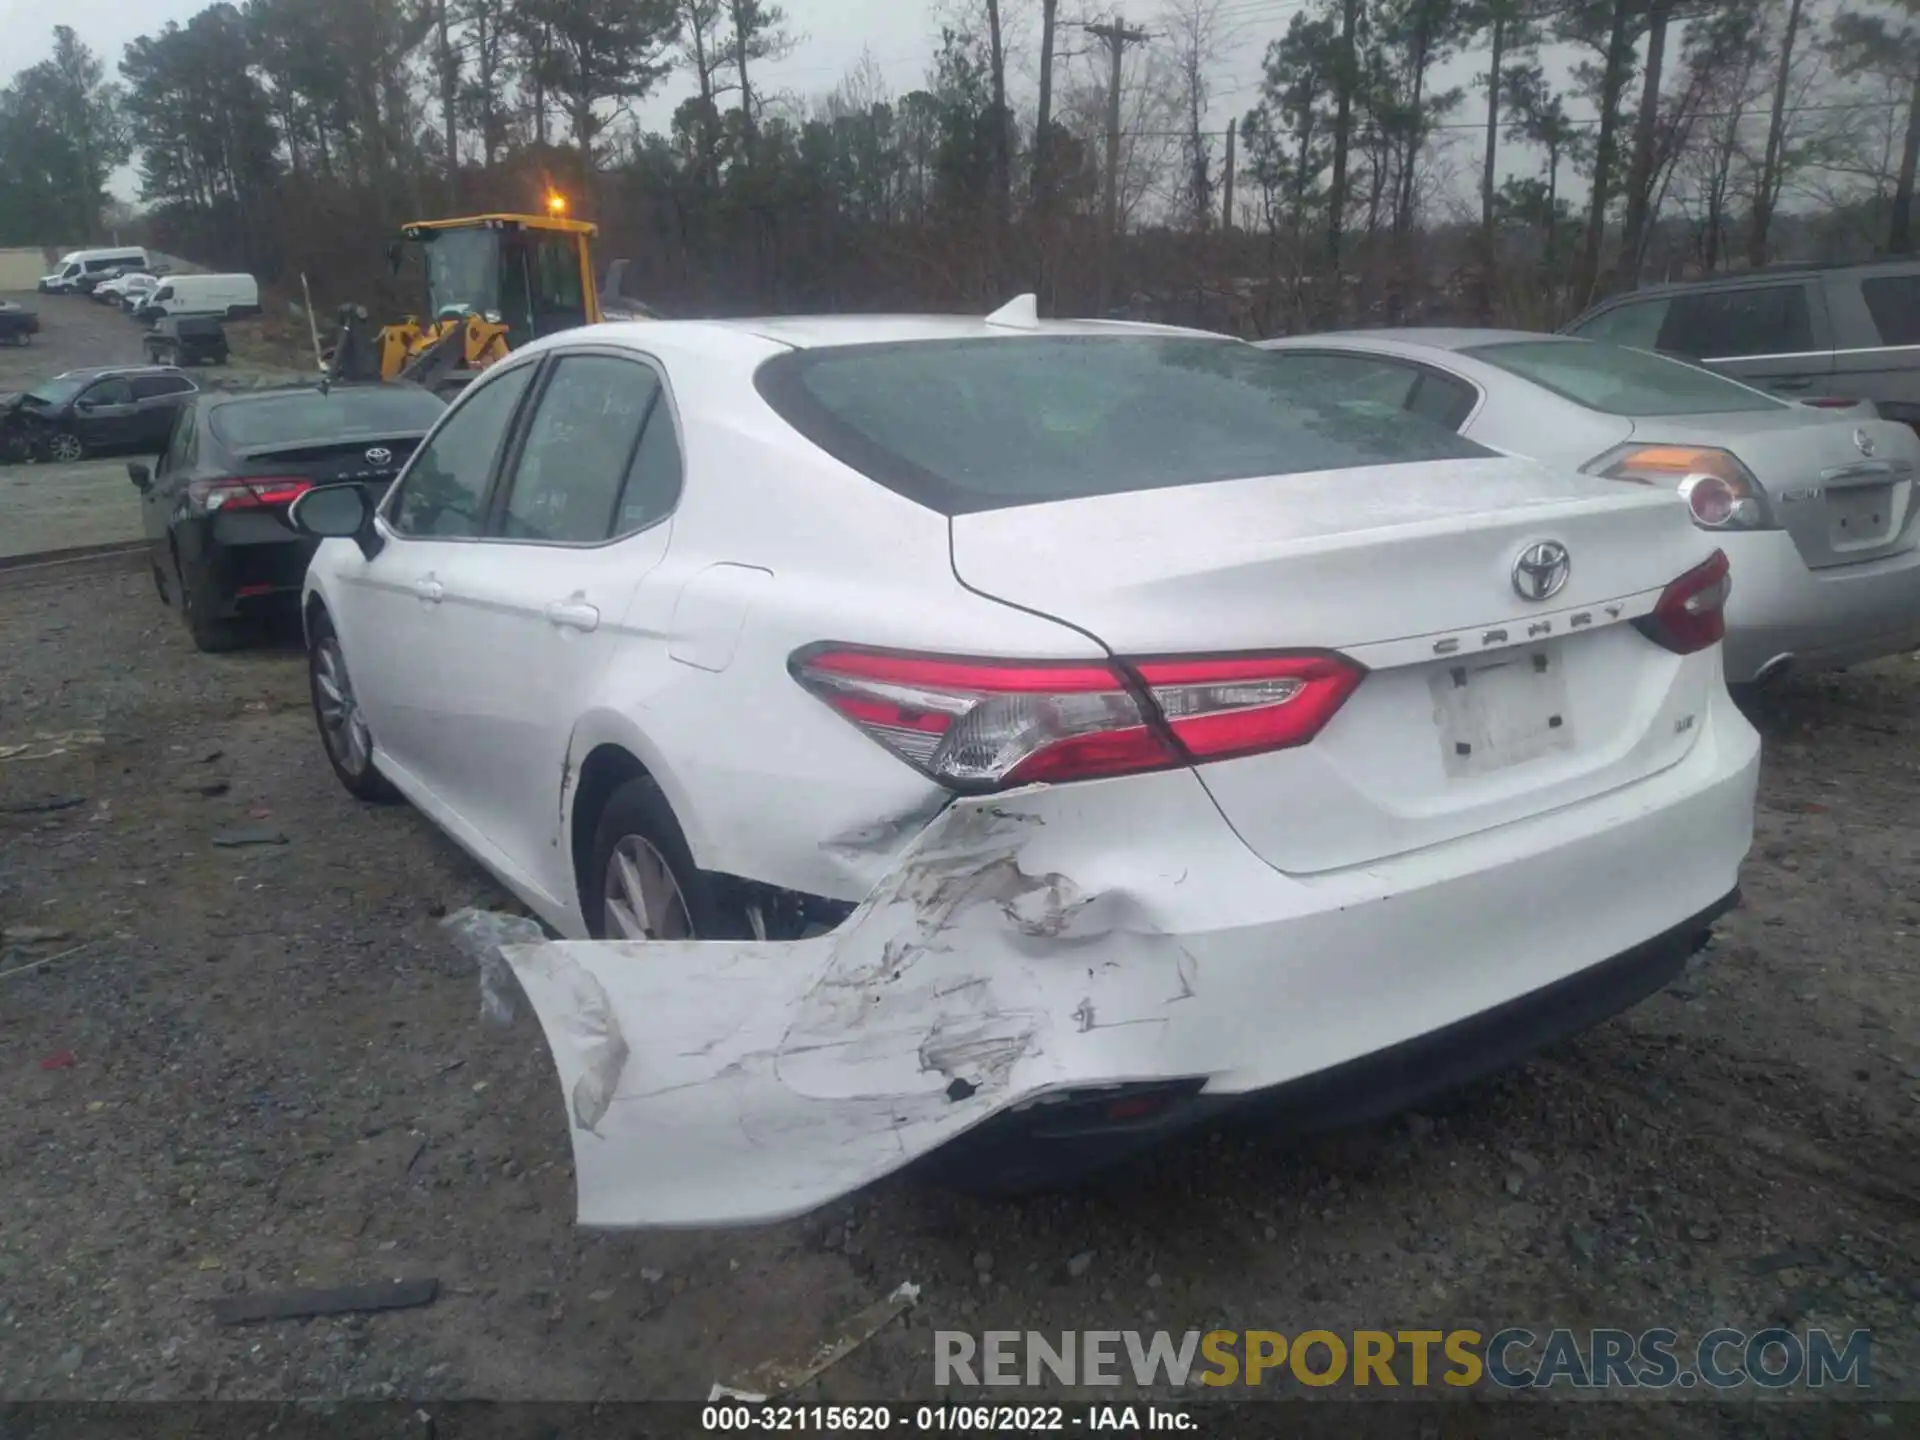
266,1069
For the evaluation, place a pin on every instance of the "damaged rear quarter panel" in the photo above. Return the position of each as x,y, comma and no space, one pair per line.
1020,944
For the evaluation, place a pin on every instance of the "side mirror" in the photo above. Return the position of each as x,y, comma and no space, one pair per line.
141,476
84,404
336,512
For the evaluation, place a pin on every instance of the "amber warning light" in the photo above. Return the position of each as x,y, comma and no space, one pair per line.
556,204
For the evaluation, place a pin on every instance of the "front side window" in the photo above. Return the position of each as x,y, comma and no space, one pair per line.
1729,324
441,495
1617,381
580,445
968,425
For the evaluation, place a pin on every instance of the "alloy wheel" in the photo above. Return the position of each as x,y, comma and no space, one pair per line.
342,724
64,447
643,900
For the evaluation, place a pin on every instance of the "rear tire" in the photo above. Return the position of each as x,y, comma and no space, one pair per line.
641,882
213,633
343,726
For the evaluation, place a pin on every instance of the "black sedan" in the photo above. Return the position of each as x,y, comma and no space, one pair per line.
216,502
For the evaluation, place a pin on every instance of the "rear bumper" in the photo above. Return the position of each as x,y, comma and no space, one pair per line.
247,559
1030,947
1823,619
1076,1135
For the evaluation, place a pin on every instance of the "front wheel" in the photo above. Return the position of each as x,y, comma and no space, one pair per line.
63,447
343,725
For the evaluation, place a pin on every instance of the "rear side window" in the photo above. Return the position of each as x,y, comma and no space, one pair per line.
1728,324
1617,381
1894,303
969,425
145,387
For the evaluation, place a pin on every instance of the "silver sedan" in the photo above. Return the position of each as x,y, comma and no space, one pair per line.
1816,506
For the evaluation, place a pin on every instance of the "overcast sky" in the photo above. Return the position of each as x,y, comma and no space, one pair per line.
901,35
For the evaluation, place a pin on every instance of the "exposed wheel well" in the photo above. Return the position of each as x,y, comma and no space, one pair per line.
310,612
604,771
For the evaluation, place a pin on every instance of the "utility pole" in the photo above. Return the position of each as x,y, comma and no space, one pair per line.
1117,35
1226,205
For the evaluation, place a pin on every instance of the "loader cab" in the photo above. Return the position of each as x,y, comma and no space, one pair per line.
530,274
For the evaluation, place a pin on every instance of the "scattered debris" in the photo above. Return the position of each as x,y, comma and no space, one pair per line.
651,1276
479,934
58,1060
1785,1260
1080,1264
44,807
339,1300
30,935
248,835
773,1377
45,961
46,747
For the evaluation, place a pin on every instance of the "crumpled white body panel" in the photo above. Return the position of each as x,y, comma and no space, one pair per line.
1079,936
784,1073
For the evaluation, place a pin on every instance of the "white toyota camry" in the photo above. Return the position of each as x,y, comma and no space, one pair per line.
1009,743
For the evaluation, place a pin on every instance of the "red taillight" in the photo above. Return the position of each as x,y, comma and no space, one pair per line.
1692,612
252,493
990,724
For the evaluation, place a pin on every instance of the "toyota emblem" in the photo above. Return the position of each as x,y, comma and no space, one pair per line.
1862,441
379,455
1542,570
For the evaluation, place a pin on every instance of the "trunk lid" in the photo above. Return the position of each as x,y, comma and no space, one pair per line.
372,461
1841,487
1481,706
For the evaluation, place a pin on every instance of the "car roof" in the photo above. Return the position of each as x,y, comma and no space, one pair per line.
772,334
1436,337
95,372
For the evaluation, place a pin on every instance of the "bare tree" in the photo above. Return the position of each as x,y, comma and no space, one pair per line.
1766,186
1193,29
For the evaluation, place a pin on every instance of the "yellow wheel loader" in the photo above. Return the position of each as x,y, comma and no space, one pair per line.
493,283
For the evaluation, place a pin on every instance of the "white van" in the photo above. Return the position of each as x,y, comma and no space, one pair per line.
227,295
78,265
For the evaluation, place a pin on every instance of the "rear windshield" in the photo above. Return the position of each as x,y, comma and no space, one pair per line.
1617,381
966,425
309,415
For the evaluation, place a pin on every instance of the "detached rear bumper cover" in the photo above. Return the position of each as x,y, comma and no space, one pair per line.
1106,933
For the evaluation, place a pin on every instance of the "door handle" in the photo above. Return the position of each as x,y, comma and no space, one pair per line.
1791,382
573,615
428,588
